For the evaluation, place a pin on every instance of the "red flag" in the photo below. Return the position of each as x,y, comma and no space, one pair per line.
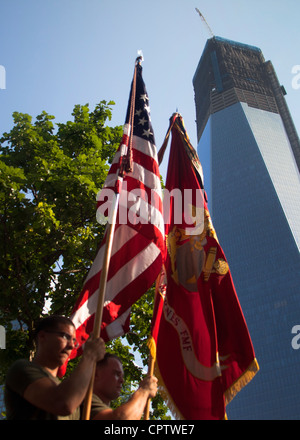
138,242
204,354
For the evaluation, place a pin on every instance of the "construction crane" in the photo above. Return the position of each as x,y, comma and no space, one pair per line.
203,19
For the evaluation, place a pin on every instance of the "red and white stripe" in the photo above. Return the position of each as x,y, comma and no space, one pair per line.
137,249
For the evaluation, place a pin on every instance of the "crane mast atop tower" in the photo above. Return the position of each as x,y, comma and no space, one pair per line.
205,22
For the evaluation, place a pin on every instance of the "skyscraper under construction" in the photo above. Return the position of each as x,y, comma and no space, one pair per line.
250,153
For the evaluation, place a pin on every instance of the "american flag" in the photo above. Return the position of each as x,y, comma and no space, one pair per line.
138,243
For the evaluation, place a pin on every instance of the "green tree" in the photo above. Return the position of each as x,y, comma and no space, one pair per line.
49,178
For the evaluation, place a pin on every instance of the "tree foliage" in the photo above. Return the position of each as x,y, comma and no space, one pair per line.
49,177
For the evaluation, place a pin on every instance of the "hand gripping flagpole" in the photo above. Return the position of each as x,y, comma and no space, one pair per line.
125,166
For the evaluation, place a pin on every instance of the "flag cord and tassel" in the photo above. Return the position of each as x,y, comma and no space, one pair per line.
162,150
126,167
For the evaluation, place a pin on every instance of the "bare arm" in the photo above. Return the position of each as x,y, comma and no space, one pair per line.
63,399
134,408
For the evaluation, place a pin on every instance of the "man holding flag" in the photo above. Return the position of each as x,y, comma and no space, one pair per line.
32,389
109,379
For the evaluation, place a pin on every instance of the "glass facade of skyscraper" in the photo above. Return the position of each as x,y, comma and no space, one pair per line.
253,185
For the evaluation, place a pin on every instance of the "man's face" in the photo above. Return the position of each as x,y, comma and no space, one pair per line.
58,343
110,378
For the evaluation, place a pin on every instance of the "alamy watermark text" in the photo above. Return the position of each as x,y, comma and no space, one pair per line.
2,77
140,207
296,77
2,337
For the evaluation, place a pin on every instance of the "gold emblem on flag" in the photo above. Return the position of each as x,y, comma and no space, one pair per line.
188,258
221,267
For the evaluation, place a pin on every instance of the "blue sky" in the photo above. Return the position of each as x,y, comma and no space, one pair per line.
58,53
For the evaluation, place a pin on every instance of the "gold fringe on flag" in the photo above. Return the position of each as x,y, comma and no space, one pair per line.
242,381
152,348
229,394
166,396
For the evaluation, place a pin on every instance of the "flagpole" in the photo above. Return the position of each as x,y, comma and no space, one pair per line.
126,166
101,296
162,150
152,358
150,373
160,155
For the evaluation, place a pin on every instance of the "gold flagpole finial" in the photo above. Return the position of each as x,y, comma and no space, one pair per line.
140,57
